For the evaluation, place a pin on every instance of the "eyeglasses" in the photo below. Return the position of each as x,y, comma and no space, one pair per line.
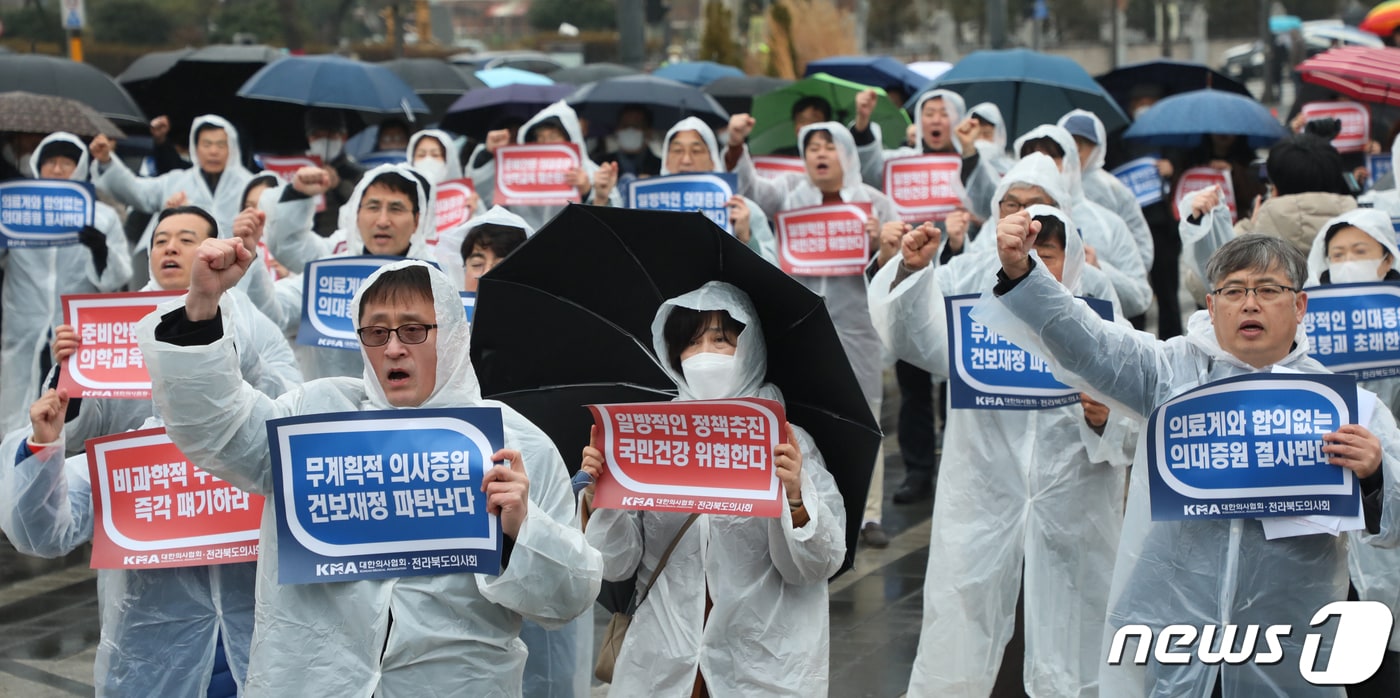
1266,293
413,333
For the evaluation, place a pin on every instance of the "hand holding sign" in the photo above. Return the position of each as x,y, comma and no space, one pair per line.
739,218
1016,236
507,491
219,265
787,460
46,416
593,461
604,179
1095,412
1205,201
65,342
1355,448
248,227
919,246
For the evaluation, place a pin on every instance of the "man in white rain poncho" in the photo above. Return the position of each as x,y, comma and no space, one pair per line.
413,636
160,627
35,279
1203,572
1028,501
499,232
991,137
767,631
1100,186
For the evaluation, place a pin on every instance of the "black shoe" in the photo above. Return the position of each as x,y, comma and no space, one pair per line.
874,536
914,489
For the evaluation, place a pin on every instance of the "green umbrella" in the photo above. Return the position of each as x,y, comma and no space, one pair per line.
773,112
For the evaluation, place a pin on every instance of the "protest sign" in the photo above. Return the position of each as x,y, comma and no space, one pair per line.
107,362
44,212
825,240
1251,446
536,174
327,301
1355,328
988,372
153,508
1198,178
924,187
778,165
1142,178
691,456
286,166
454,198
708,193
392,493
1378,165
1354,117
469,303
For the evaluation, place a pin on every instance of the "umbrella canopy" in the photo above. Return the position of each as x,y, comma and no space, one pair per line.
1360,72
772,112
1182,119
26,112
500,77
435,81
876,71
736,94
59,77
697,73
1173,77
1030,88
333,82
479,111
187,83
668,100
606,308
931,70
151,65
1383,18
1344,34
591,72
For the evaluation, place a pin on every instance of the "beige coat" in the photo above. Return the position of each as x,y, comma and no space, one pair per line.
1297,218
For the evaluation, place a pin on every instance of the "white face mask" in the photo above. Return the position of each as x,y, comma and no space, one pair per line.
710,376
1355,272
432,168
630,139
327,149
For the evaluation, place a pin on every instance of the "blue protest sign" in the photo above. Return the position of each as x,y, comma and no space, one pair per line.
469,303
1251,446
708,193
1377,166
44,212
383,157
328,289
393,493
1142,179
990,373
1355,328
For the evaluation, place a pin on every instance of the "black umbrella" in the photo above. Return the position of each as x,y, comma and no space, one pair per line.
49,75
552,334
668,100
591,72
437,82
1171,77
736,94
479,111
187,83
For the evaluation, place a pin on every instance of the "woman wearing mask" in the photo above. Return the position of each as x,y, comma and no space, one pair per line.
741,607
435,155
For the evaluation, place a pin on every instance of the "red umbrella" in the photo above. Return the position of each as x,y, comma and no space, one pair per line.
1361,72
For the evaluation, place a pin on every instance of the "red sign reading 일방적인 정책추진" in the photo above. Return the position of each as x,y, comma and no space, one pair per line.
826,240
536,174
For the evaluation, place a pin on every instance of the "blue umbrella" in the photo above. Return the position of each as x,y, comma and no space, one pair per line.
697,73
481,110
333,82
876,71
1029,88
501,77
1181,120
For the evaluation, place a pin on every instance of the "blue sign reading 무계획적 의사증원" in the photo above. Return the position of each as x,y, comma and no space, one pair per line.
393,493
1355,328
1250,446
44,212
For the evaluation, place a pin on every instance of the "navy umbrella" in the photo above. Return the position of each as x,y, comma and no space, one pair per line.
479,111
436,81
333,82
60,77
1171,77
669,101
876,71
1182,119
1030,88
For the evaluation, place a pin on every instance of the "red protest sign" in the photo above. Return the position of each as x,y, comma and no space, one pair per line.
1198,178
153,508
454,199
536,174
286,166
924,187
705,456
778,165
108,363
827,240
1355,118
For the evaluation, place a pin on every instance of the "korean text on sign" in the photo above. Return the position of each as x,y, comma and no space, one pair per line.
395,493
1354,117
1198,178
827,240
44,212
988,372
707,193
536,174
1251,447
1142,178
924,187
778,165
1355,328
453,207
153,508
107,362
705,456
327,301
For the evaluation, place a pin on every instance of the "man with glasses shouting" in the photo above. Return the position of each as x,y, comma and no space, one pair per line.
1205,572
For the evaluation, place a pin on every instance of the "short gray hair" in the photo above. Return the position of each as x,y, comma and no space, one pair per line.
1257,251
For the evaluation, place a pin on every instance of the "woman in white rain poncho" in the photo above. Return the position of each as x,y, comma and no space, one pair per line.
413,636
439,164
767,632
683,157
1027,501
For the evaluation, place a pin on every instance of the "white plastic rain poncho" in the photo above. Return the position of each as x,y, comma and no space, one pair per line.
1387,200
993,152
1026,499
1212,572
35,279
761,237
484,177
413,636
767,633
451,150
448,251
1104,189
